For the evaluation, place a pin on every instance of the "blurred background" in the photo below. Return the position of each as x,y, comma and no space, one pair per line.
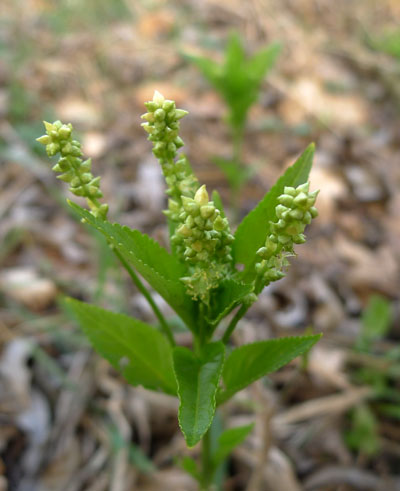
329,421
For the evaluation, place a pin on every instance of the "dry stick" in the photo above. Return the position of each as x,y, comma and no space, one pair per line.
323,406
262,454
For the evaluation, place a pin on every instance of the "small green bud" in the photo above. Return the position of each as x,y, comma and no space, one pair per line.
67,176
159,115
184,231
289,190
207,211
219,224
201,196
86,165
168,105
300,199
180,113
52,149
48,126
158,98
286,200
44,140
64,132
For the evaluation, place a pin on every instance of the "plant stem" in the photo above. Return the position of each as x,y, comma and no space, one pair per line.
206,464
143,290
239,314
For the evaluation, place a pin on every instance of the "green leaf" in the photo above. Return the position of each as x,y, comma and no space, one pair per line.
376,320
238,78
161,269
250,362
210,69
197,379
139,351
226,297
262,62
364,434
230,439
254,228
190,466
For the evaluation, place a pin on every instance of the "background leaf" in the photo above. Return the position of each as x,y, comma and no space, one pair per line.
228,440
252,361
161,269
140,352
197,386
375,322
254,228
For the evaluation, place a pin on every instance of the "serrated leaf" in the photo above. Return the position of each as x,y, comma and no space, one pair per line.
161,269
254,228
228,440
228,295
197,379
140,352
250,362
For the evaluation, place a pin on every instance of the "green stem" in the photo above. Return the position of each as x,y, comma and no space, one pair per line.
206,464
239,314
143,290
237,137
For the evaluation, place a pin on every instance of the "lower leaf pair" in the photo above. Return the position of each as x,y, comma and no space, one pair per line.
202,380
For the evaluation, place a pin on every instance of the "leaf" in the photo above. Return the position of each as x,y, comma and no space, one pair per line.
228,440
254,228
161,269
197,379
376,320
226,297
210,69
250,362
262,61
140,352
190,466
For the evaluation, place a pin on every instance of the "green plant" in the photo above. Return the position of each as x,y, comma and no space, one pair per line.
198,278
380,371
238,81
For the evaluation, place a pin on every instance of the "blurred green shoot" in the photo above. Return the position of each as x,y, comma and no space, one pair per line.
388,43
377,371
238,81
375,322
364,433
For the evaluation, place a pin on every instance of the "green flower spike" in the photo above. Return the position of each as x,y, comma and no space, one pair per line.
205,240
162,125
75,171
295,210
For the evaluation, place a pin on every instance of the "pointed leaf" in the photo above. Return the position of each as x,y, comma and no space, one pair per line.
254,228
139,351
230,439
228,295
250,362
161,269
262,62
197,387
